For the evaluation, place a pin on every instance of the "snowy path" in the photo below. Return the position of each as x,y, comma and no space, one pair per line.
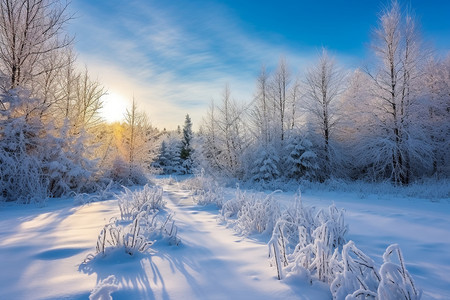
213,262
41,250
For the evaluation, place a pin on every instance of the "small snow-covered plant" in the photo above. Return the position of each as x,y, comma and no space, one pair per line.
294,227
231,208
131,203
306,241
130,237
258,213
104,288
213,195
206,190
396,282
252,213
336,225
133,238
110,236
356,276
161,226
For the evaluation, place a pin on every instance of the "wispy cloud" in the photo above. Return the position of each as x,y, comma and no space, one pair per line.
174,60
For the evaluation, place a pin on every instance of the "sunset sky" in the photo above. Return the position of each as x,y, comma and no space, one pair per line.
174,57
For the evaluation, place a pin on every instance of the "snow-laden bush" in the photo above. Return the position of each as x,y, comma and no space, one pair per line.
396,282
251,213
356,276
213,194
320,254
132,203
301,161
143,222
113,235
125,173
265,165
100,195
316,236
205,190
36,160
139,235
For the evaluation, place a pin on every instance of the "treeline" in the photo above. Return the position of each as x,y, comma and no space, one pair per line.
386,121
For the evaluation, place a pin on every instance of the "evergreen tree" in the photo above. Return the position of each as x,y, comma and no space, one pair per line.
186,147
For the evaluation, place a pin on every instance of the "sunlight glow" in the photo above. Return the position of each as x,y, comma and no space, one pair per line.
114,107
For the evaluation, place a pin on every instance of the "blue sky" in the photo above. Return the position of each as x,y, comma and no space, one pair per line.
175,56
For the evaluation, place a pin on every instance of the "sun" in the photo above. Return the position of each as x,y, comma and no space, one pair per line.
114,107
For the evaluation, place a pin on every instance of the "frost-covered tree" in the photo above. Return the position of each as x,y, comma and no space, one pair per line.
323,85
35,163
136,140
437,102
186,145
396,124
29,31
224,138
265,164
169,160
280,98
262,112
301,161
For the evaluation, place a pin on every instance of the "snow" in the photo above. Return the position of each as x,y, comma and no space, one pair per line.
42,250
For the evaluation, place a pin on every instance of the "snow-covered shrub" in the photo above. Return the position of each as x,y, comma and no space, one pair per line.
104,288
101,194
258,213
396,282
356,276
252,213
304,240
145,229
126,173
319,238
205,190
265,167
143,222
36,160
211,195
114,235
231,208
301,161
161,226
132,203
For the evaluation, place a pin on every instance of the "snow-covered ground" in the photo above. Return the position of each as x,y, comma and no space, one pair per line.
41,250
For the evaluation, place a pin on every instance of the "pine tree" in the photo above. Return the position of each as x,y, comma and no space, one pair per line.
186,147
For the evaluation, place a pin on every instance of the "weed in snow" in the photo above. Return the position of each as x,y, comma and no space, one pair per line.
143,221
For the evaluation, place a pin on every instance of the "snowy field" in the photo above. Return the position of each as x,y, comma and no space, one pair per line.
42,250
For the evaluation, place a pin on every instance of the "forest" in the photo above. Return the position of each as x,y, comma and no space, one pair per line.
386,121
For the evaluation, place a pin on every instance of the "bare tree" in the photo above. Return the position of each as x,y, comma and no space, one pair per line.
323,85
395,89
29,31
139,136
262,113
224,136
279,91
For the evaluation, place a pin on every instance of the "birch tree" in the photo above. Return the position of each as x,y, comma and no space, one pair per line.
395,84
323,85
